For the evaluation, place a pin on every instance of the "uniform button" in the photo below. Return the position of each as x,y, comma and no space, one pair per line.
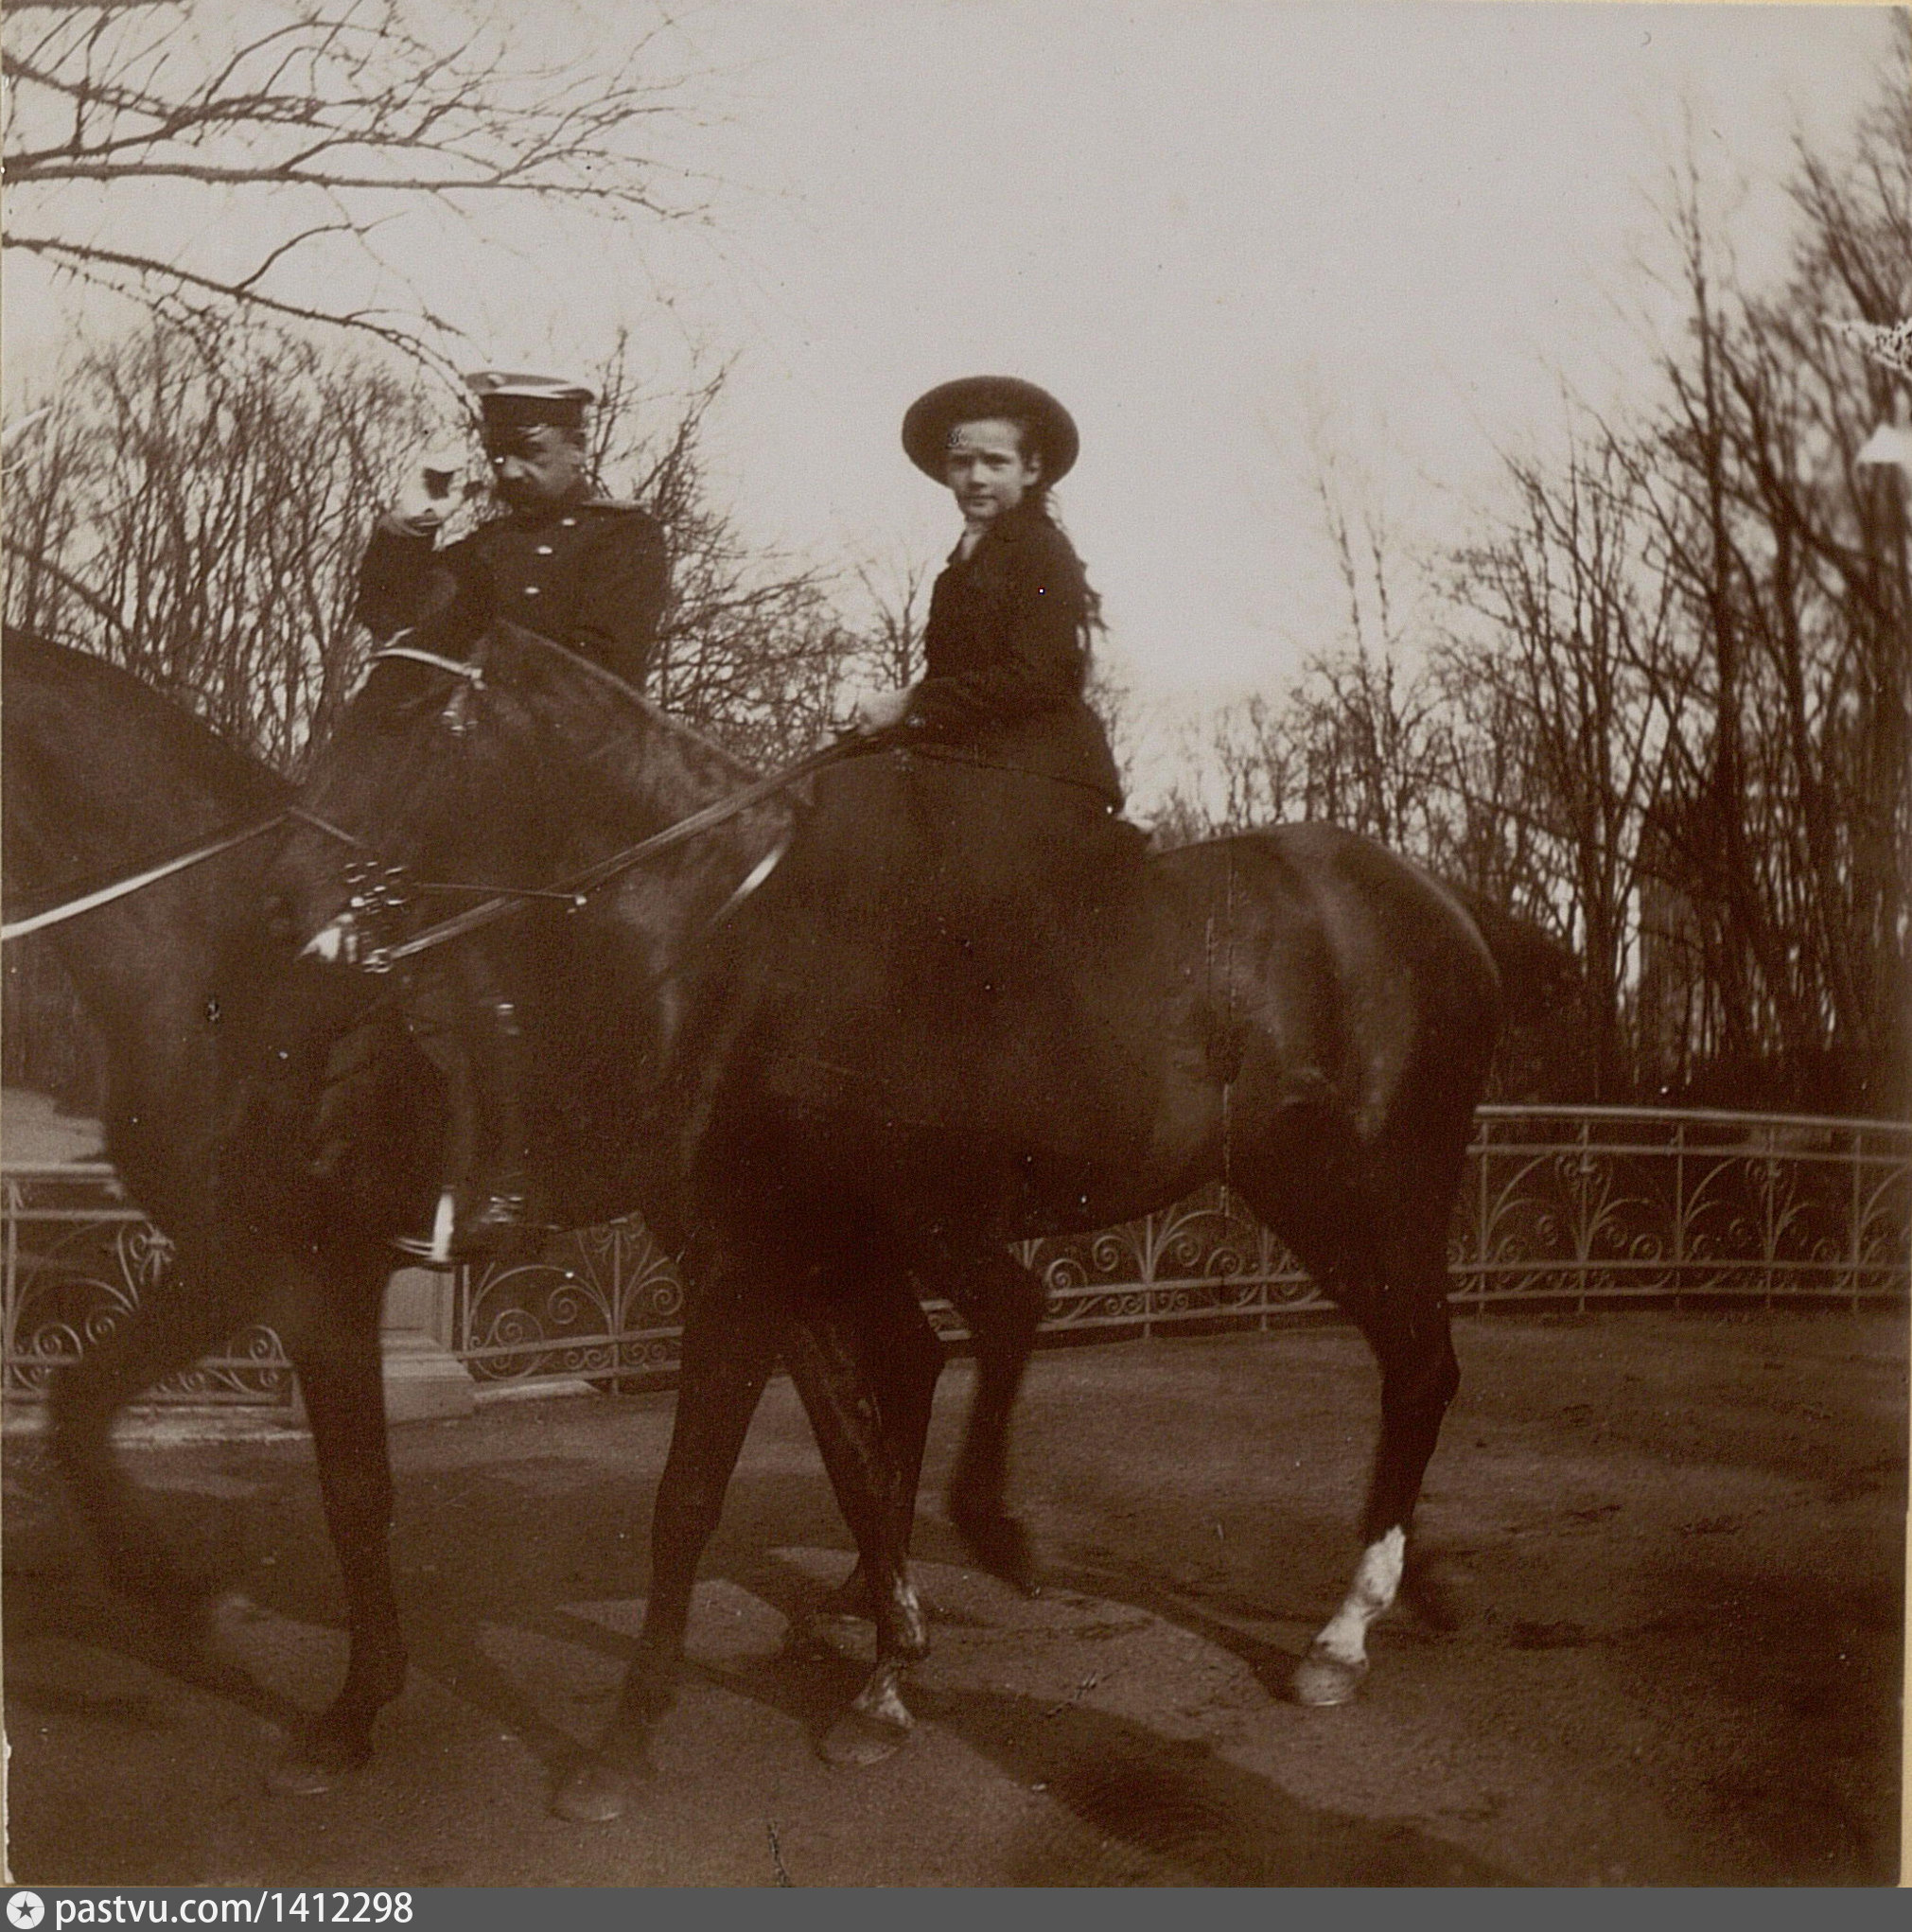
544,550
530,590
569,523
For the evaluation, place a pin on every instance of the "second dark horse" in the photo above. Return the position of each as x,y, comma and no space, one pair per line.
664,1045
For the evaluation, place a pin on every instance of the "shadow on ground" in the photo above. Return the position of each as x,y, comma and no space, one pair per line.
1682,1540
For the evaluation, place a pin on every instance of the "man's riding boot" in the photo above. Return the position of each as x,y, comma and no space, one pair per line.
497,1215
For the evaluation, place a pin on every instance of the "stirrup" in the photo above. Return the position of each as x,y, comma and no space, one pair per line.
436,1250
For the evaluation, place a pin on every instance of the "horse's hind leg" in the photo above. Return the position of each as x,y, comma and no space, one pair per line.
1002,1303
1392,1279
1407,1326
901,1363
867,1367
334,1346
730,1338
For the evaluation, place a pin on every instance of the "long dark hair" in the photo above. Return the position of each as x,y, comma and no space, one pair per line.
1038,501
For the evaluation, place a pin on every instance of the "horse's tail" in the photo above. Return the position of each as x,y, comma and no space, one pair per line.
1539,973
1541,1054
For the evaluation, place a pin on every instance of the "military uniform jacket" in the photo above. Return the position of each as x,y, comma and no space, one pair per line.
1005,659
590,574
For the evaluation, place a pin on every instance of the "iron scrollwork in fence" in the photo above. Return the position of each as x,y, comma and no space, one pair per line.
1580,1205
79,1256
1606,1204
604,1304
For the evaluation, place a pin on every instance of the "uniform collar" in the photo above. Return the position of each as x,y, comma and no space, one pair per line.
566,506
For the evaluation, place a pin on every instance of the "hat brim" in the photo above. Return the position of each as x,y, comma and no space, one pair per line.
930,418
522,399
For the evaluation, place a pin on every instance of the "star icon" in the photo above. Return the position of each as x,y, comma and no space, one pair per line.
26,1910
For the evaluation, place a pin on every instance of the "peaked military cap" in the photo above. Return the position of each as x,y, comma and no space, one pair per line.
930,419
516,399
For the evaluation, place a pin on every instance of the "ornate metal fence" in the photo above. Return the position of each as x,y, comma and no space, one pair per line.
1606,1204
1561,1206
77,1256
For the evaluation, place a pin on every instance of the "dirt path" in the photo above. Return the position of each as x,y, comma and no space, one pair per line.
1683,1540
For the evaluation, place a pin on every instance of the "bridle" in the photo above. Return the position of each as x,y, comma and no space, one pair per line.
378,888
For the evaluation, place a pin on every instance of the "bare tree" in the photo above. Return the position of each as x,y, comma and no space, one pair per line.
896,590
752,647
1579,683
322,119
1366,733
195,510
1241,767
1698,652
1787,812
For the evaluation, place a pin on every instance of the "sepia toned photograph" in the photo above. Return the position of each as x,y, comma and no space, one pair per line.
953,943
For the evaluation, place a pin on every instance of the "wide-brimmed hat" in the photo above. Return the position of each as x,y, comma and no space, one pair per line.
516,398
972,400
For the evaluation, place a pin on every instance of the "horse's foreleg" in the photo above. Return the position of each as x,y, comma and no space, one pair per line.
1408,1327
1003,1303
729,1346
169,1328
336,1351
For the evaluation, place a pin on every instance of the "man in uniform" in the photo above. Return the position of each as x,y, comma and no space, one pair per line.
561,561
590,574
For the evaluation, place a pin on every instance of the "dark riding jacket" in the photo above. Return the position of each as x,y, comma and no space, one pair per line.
1006,658
590,574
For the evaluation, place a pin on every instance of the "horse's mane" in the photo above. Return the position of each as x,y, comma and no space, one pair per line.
686,737
541,740
119,728
101,771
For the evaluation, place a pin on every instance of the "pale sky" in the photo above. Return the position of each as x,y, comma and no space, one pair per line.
1228,233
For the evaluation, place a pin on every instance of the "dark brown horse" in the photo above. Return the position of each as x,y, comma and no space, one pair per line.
217,1042
181,981
686,1072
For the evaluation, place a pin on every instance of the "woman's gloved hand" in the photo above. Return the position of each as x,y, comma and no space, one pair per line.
428,492
882,711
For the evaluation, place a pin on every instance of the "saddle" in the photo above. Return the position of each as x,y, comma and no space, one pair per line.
961,949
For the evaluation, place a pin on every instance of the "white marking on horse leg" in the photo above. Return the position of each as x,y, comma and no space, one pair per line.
326,944
882,1697
1377,1580
442,1222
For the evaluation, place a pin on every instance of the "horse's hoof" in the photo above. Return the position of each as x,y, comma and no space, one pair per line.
859,1738
1319,1679
594,1794
1000,1545
326,1752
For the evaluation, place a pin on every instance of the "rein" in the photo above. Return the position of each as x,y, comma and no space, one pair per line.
166,868
503,901
121,888
580,885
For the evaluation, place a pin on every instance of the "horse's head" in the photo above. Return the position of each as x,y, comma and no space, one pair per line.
507,768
